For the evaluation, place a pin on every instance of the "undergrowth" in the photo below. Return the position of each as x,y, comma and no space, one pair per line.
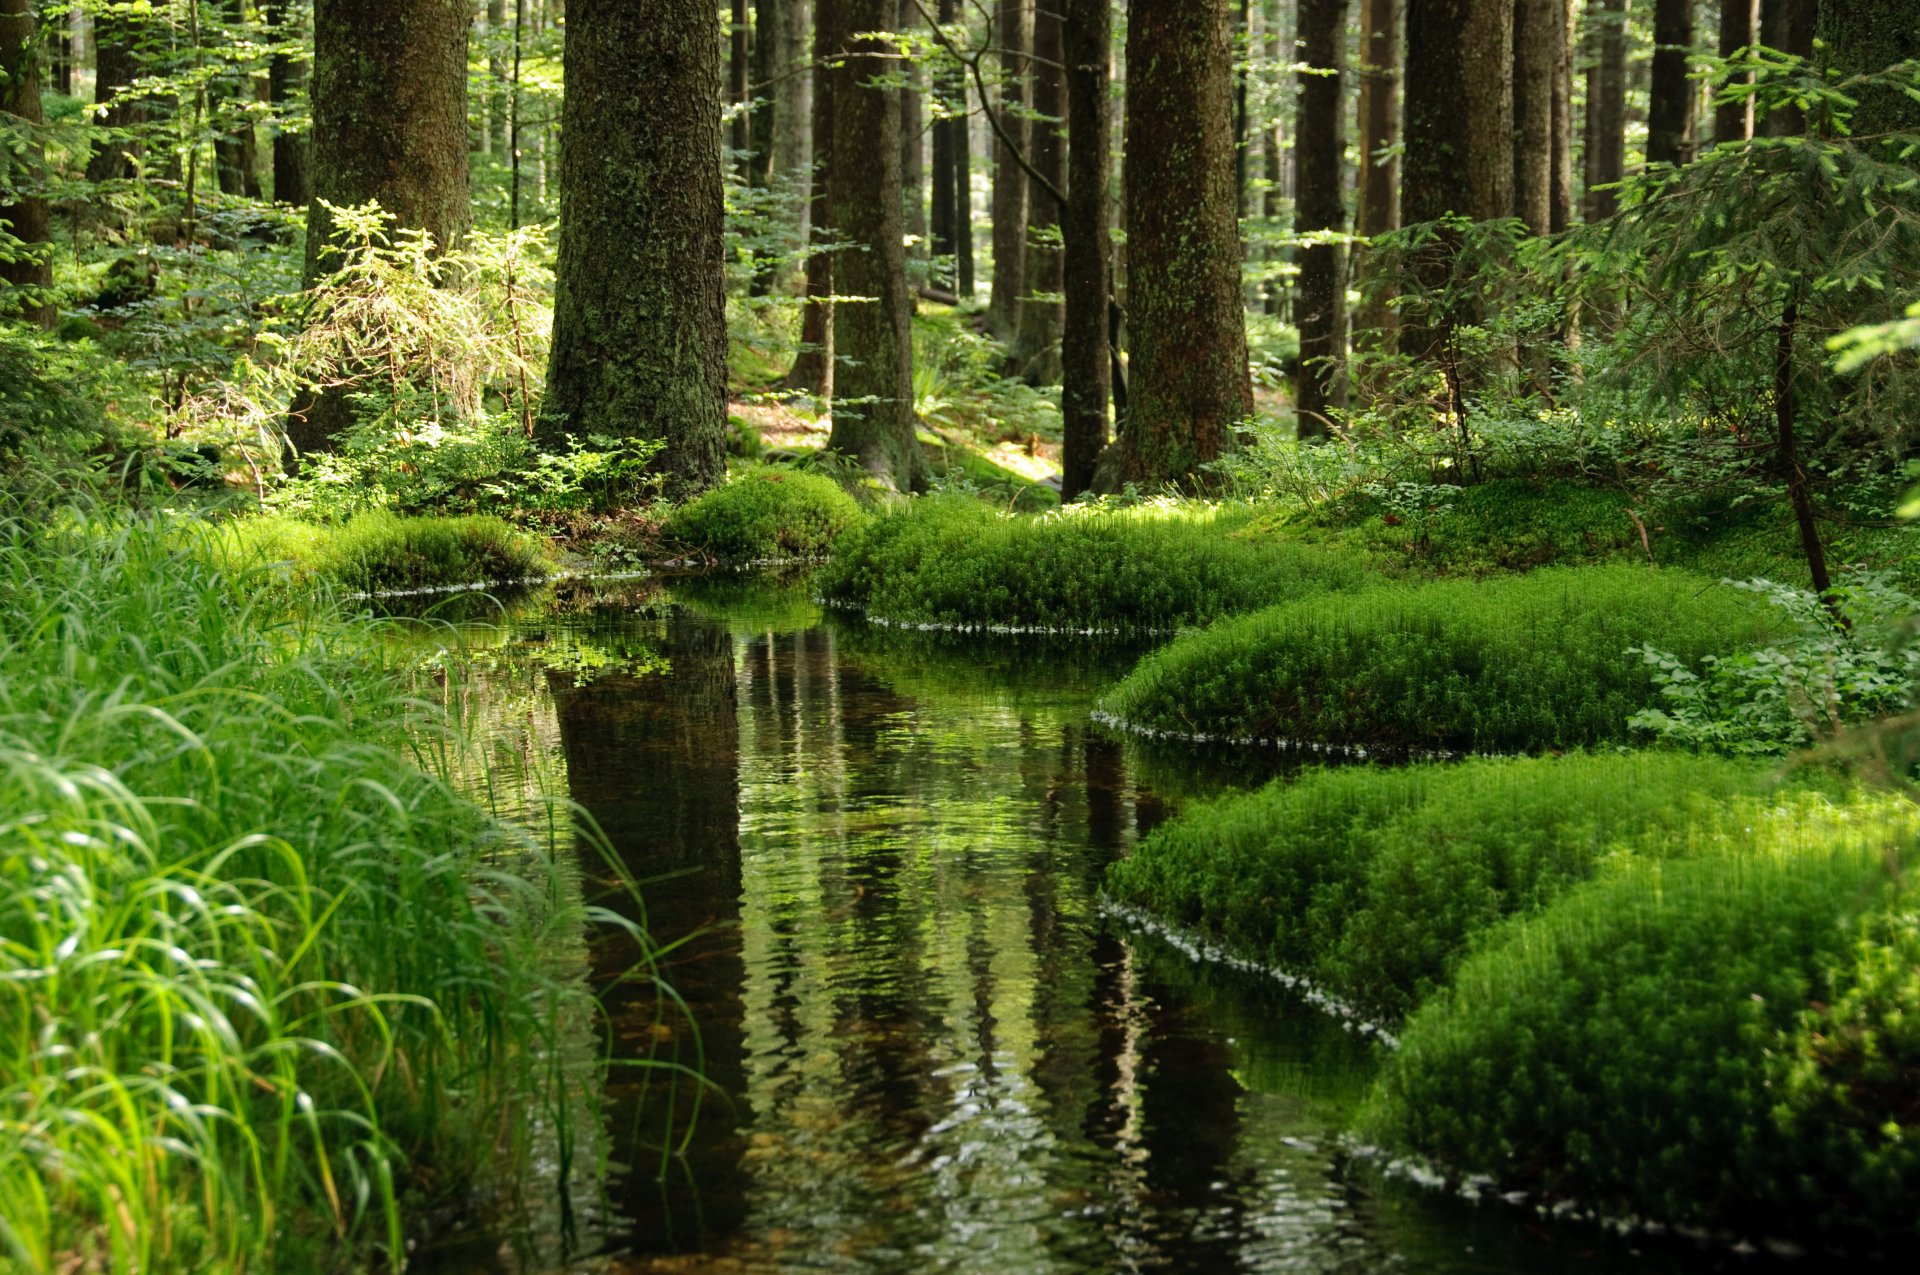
951,562
766,513
1512,664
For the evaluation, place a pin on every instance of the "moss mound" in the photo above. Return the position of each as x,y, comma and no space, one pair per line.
1371,882
1513,664
379,551
954,563
1704,1041
766,513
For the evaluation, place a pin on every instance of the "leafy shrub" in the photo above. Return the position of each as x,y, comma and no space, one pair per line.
1834,672
950,562
766,513
1645,1045
252,964
1501,665
379,551
1371,882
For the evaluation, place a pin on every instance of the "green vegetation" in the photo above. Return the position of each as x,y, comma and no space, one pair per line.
1371,882
254,965
953,563
766,513
1505,665
1712,1041
379,551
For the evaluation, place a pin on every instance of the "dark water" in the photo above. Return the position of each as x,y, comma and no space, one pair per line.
878,859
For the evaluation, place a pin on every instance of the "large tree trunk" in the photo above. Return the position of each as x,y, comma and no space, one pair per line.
236,164
1086,368
1009,182
1459,101
1036,346
1606,106
20,52
116,66
639,315
1319,383
286,81
1189,385
1561,211
1670,106
1377,185
812,370
873,418
1739,29
1537,47
1872,35
389,125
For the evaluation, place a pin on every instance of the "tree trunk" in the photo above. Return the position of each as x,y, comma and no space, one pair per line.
1536,64
1739,29
20,52
1459,108
873,418
1376,202
913,138
945,212
116,66
1319,383
1242,137
1606,107
60,54
287,81
1872,35
766,68
1189,382
389,125
1009,182
1036,346
964,281
494,124
236,165
812,370
1279,51
793,91
639,314
738,33
1670,106
1086,367
1560,214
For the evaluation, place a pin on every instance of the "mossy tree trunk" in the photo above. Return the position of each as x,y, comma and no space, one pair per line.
20,51
389,126
1319,146
1871,35
873,418
1086,369
1188,383
639,331
1036,344
286,83
1010,31
1670,107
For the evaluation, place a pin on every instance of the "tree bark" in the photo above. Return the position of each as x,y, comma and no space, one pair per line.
1872,35
1560,214
738,36
1319,383
1537,46
766,68
873,418
913,138
639,316
963,266
20,51
1606,106
1086,366
812,370
287,81
1376,202
1670,106
1459,110
1036,345
1739,29
945,212
793,91
116,66
1189,382
1009,182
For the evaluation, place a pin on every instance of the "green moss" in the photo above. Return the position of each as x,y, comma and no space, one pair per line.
953,562
1507,525
1636,1045
1513,664
766,513
379,551
1371,882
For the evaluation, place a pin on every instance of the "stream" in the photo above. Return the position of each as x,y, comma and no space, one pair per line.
876,859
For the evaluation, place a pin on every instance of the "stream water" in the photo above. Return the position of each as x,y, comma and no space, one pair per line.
877,860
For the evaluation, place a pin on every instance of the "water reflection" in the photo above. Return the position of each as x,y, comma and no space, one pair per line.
877,859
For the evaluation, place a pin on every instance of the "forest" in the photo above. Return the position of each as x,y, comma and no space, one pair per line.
1041,635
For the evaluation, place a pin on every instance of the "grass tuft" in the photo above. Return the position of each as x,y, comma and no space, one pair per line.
766,514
